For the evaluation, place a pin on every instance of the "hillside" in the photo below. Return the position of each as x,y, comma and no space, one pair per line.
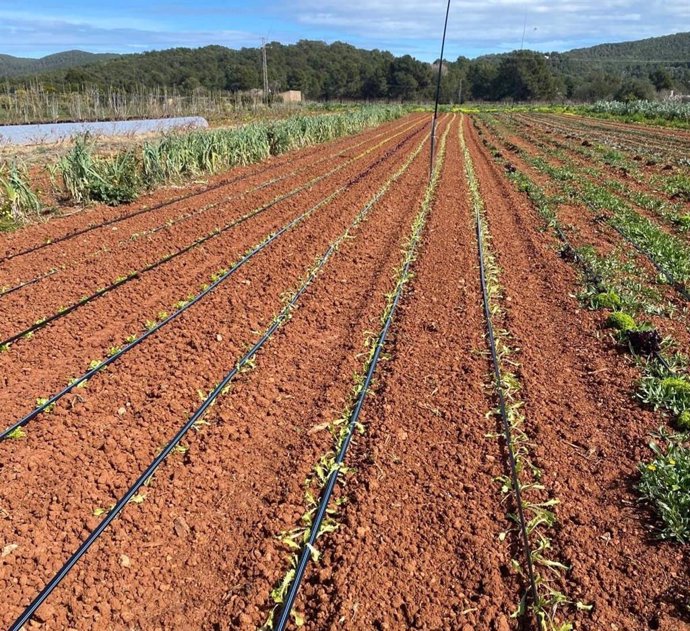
666,49
340,71
21,66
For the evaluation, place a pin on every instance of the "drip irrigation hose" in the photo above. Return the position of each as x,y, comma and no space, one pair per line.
166,259
33,281
4,434
136,213
505,422
327,492
283,316
203,209
438,93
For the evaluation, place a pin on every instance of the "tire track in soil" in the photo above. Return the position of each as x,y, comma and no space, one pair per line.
38,367
423,501
23,307
109,448
587,432
57,227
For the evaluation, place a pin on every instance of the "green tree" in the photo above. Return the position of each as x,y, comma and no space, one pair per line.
661,78
635,89
524,76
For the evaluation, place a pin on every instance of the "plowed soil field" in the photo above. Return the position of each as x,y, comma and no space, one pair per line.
118,325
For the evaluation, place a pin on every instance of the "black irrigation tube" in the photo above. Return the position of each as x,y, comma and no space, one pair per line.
327,492
505,422
4,434
33,281
282,317
40,324
136,213
438,92
203,209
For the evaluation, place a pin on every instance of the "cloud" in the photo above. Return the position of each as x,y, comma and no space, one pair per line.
401,26
496,24
22,34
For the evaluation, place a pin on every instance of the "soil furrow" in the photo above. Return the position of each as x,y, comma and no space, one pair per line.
588,433
126,414
38,234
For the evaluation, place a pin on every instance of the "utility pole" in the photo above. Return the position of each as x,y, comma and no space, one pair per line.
264,67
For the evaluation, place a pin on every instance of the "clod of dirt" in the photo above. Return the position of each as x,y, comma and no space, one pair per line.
645,342
180,526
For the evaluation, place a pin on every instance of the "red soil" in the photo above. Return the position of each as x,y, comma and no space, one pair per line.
418,544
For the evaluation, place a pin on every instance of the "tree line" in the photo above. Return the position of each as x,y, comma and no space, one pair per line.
340,71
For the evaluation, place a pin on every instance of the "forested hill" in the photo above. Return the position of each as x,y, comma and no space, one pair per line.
20,66
341,71
669,48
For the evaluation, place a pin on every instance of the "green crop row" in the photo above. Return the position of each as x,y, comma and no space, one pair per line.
83,176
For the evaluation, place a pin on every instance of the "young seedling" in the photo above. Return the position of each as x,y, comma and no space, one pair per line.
665,483
620,321
42,402
17,434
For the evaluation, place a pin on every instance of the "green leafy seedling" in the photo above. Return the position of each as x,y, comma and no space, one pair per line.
42,402
683,421
607,300
17,434
620,321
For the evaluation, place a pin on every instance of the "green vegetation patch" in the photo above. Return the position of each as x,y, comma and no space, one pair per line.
665,484
621,321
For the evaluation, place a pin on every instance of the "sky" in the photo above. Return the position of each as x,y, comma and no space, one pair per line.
40,27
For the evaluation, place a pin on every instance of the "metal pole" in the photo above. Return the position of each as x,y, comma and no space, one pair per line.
438,92
264,68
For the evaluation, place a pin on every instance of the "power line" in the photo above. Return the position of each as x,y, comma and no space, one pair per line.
438,92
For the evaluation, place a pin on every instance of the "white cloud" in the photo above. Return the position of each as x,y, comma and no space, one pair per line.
50,34
497,24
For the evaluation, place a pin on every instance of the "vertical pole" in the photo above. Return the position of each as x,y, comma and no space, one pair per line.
438,92
264,68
